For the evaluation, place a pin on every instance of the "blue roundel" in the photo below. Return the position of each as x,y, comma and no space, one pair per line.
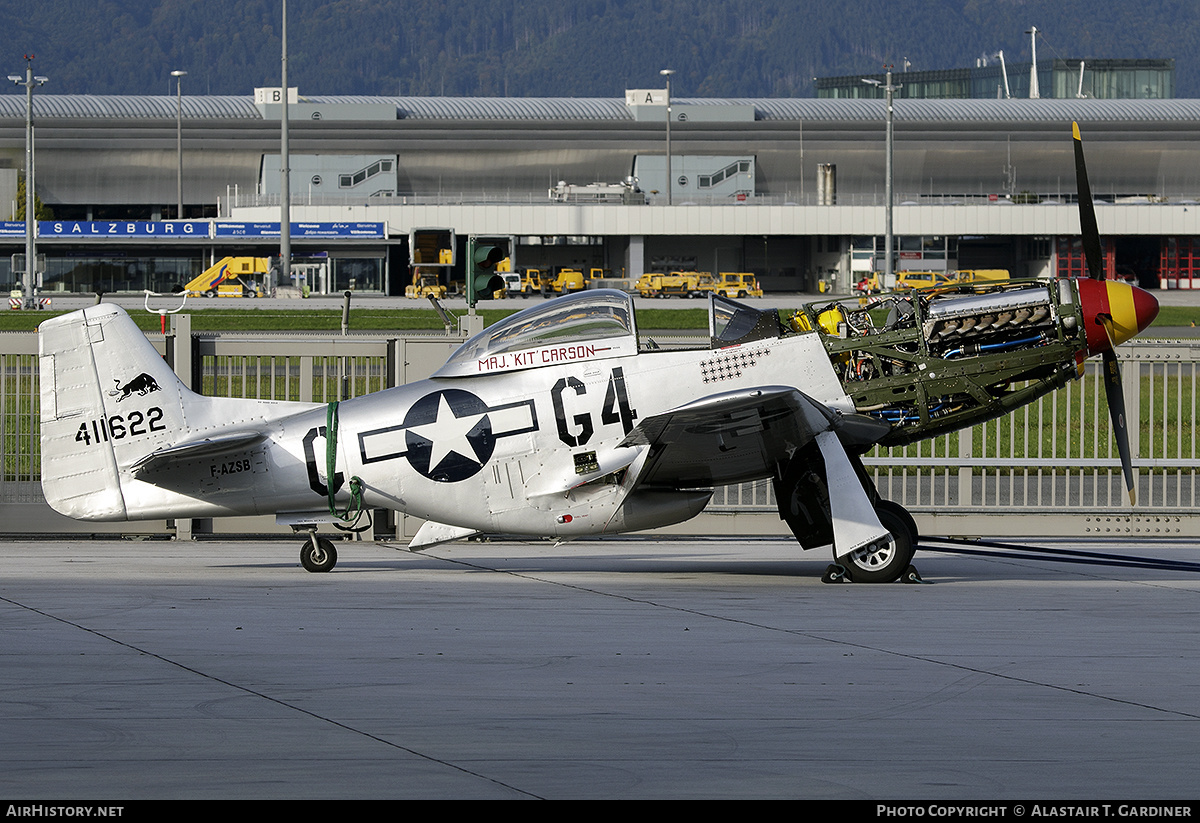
448,435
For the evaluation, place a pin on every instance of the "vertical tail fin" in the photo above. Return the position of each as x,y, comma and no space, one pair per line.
107,398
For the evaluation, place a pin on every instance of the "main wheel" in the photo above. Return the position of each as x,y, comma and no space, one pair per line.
903,514
318,555
885,564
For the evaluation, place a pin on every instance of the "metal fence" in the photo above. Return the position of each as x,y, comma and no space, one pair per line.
1051,468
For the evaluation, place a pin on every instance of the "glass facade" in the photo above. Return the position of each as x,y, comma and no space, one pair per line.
118,272
74,272
1179,267
1071,261
1116,79
364,274
1102,79
915,253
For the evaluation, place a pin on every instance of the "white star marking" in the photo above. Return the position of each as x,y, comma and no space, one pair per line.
448,434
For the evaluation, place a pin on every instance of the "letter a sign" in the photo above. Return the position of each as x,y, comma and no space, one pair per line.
645,97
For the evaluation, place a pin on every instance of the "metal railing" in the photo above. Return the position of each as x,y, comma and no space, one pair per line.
1050,468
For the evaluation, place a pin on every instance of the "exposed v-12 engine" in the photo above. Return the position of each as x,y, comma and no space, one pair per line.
935,360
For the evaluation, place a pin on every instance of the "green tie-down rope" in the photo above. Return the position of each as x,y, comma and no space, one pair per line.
354,508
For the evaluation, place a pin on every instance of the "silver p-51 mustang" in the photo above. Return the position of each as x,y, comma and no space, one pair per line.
562,421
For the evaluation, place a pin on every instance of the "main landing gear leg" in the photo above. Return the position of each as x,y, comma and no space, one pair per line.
817,508
317,554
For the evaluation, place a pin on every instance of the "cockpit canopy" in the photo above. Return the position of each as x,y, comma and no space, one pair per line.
590,325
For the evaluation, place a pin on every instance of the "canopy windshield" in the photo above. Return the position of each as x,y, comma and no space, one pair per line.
584,326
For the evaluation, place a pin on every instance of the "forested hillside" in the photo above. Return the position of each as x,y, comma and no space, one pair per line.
579,48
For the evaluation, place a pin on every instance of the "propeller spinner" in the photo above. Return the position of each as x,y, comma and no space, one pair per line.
1113,312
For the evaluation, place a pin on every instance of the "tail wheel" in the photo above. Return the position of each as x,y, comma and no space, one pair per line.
886,562
318,554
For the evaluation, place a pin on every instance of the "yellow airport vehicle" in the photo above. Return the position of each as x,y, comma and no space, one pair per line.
983,275
426,283
927,279
526,283
734,284
231,277
565,282
908,280
674,284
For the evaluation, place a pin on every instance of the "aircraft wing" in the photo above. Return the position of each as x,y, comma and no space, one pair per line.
745,435
738,436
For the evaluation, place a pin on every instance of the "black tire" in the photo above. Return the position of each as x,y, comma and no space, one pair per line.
903,514
885,565
318,557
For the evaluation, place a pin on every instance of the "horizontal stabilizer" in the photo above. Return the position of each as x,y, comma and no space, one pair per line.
196,449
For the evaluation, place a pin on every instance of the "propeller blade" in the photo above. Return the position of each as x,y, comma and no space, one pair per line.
1115,395
1087,212
1113,390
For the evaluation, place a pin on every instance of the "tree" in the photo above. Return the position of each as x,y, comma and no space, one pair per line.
40,210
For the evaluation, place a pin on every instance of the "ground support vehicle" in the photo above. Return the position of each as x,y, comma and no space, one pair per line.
565,282
426,282
525,284
734,284
231,277
674,284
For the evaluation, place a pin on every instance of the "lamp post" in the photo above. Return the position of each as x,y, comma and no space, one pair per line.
29,81
285,173
179,75
1034,92
889,90
667,74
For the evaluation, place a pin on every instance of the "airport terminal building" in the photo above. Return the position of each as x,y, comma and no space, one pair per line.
792,190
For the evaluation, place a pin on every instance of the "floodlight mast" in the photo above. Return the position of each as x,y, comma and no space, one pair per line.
179,75
29,275
667,74
889,89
